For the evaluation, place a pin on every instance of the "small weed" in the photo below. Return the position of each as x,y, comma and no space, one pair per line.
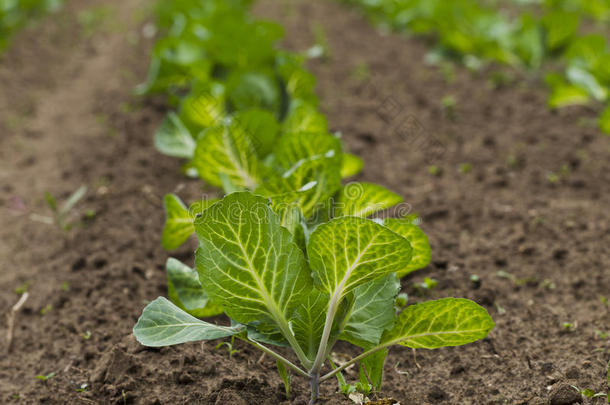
23,288
82,388
47,377
65,286
426,286
435,170
86,335
568,326
229,345
401,300
46,309
475,281
465,168
61,214
601,335
588,393
321,48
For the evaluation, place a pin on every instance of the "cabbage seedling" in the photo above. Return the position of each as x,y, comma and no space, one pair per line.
278,292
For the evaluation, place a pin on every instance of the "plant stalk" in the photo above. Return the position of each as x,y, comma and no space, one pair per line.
277,356
354,360
314,382
330,317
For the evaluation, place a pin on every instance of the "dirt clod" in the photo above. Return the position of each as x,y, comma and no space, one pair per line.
564,394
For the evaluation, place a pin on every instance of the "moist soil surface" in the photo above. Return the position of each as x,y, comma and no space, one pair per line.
518,195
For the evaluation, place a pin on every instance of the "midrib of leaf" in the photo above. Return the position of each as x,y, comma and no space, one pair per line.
276,313
410,337
234,157
334,303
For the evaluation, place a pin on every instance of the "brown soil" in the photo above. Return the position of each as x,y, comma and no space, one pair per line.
67,117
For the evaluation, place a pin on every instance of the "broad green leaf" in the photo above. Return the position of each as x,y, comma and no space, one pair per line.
163,324
585,80
178,222
174,139
253,90
564,94
248,262
364,199
308,322
312,183
287,207
185,290
372,313
373,364
204,107
223,149
268,333
299,83
261,127
295,149
350,251
304,117
560,26
422,253
351,165
308,165
440,323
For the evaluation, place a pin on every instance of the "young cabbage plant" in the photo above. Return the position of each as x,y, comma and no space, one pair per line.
307,298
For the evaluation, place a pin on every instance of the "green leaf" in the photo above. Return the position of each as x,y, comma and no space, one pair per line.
283,372
364,199
261,127
178,223
560,27
304,117
373,364
291,217
185,290
372,313
564,94
308,166
440,323
422,253
174,139
350,251
204,107
163,324
74,198
586,81
351,165
224,150
308,322
248,262
253,90
294,149
50,200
